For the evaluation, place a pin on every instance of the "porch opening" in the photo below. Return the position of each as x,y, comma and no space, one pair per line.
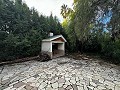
57,49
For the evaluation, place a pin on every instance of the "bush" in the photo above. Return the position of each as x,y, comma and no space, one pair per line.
92,45
14,47
44,57
111,50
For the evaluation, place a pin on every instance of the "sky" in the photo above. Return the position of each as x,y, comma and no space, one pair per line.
46,7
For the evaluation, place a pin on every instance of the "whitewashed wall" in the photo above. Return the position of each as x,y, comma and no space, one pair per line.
47,46
61,46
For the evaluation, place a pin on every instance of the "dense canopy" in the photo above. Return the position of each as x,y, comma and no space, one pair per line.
22,29
93,26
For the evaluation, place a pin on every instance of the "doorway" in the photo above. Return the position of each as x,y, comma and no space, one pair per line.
57,50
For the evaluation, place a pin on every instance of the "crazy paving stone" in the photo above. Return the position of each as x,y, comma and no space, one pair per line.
73,81
5,81
117,87
64,86
49,88
28,87
74,87
69,87
93,84
61,88
60,84
21,87
34,88
80,88
60,73
90,87
43,85
55,85
52,81
35,76
19,84
61,80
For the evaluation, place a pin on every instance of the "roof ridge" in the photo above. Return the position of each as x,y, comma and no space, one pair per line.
54,37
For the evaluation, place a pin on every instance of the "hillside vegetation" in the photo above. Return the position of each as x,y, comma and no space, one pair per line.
93,26
22,30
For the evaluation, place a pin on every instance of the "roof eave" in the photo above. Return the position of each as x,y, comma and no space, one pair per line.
54,39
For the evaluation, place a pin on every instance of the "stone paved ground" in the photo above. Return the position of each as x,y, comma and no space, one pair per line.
60,74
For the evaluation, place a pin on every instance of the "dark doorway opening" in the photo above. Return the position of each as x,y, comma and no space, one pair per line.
55,48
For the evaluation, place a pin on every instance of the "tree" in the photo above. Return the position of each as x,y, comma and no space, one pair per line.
94,26
65,11
81,18
22,29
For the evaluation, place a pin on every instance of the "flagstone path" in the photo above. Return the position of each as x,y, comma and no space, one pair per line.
60,74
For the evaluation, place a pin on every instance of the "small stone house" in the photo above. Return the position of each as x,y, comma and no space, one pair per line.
54,46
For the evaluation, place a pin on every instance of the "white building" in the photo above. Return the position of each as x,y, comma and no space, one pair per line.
54,46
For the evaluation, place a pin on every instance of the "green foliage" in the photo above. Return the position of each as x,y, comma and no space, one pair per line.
111,50
65,11
88,31
92,45
22,30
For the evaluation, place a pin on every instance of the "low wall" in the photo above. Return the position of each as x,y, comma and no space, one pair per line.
49,53
58,53
55,54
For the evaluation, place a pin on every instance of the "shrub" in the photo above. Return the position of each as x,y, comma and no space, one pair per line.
111,50
92,45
